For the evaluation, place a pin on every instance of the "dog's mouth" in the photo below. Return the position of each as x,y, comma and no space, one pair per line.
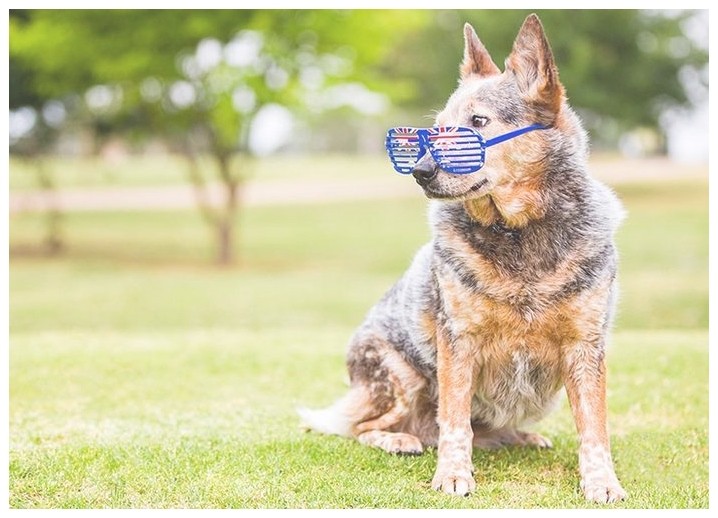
439,195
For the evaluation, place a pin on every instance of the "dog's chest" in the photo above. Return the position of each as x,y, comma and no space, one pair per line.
515,329
515,277
516,334
518,373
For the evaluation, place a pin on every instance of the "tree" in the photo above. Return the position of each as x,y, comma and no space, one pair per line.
199,78
621,68
37,111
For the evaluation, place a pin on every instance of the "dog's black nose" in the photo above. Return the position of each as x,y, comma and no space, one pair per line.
424,172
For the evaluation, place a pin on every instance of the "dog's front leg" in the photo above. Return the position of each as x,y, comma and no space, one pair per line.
585,381
455,375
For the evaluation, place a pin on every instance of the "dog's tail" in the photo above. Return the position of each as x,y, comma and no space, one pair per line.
339,418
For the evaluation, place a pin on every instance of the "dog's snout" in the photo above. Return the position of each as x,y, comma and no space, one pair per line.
424,172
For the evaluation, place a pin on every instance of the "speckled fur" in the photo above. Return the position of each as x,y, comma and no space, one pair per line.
512,298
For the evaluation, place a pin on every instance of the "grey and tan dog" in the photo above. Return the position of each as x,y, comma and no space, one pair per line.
510,301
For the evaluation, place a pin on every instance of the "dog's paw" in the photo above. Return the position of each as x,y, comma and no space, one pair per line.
459,484
492,439
603,491
392,442
535,440
403,444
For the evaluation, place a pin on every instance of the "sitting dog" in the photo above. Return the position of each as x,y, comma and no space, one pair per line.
510,301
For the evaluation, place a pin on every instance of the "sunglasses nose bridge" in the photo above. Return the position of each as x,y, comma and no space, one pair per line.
423,145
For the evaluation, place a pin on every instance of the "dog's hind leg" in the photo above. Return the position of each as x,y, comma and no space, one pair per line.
380,403
394,387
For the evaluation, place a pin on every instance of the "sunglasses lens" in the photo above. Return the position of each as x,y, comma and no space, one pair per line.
404,148
457,150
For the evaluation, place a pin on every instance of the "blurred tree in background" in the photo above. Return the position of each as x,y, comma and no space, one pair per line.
200,80
196,78
621,68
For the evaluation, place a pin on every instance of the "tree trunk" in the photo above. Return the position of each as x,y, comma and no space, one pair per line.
53,242
221,218
225,233
226,223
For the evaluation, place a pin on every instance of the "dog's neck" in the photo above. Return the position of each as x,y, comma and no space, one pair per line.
515,205
538,187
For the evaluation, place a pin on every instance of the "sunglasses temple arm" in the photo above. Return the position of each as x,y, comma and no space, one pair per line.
512,134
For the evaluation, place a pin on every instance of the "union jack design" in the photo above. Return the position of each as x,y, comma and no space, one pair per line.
455,149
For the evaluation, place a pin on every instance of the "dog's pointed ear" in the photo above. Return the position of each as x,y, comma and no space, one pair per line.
532,64
476,58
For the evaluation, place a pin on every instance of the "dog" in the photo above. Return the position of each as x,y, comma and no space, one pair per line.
511,300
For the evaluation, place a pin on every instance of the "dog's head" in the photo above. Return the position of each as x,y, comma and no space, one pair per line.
527,92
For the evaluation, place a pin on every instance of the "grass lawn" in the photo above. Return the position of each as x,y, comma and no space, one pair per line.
142,377
163,170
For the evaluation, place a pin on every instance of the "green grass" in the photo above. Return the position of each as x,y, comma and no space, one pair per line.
205,419
663,245
160,170
142,377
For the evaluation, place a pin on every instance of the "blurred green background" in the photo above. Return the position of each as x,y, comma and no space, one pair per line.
220,88
201,213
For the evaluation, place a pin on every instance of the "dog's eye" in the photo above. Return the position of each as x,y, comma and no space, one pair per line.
479,121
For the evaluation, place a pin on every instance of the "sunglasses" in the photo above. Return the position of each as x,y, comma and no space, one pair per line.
455,149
